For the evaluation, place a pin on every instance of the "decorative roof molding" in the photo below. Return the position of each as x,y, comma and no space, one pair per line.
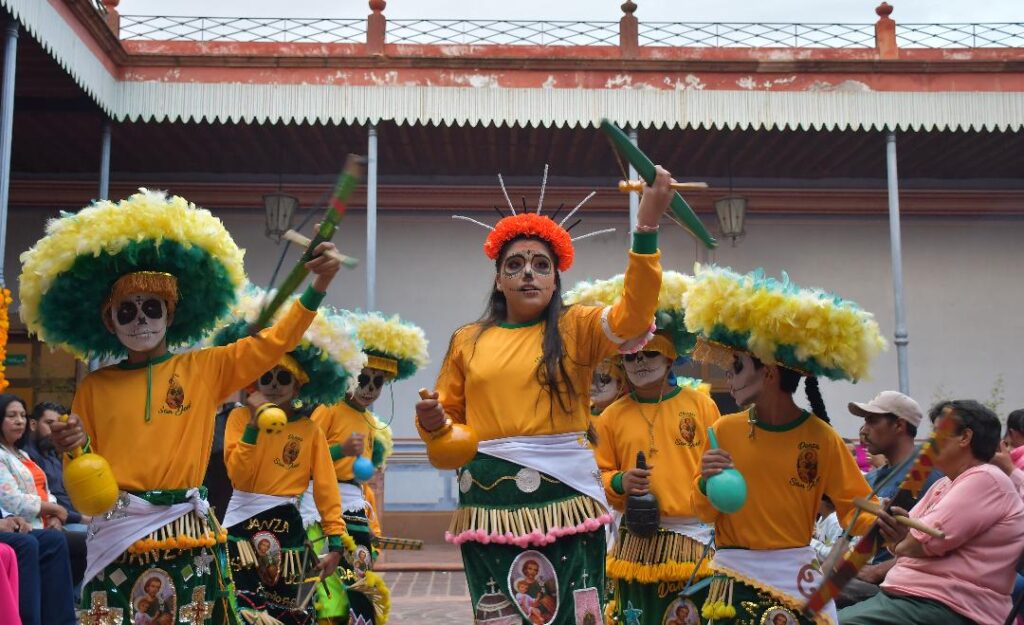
82,53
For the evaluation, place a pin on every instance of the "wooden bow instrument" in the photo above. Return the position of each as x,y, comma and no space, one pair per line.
862,553
682,211
336,207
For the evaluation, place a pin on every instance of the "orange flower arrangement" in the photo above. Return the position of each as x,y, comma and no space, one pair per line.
5,327
531,225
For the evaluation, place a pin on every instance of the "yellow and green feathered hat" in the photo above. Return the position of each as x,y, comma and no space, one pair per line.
392,345
150,242
326,361
670,316
808,330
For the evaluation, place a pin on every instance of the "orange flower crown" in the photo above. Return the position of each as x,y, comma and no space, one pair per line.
531,225
527,224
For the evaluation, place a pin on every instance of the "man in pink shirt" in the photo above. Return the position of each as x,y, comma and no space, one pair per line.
967,576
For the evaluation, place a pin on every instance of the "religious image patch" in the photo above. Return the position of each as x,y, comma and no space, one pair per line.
806,466
533,583
154,599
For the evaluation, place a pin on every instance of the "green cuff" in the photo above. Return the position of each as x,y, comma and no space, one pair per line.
645,242
334,543
336,452
250,434
617,483
702,486
311,298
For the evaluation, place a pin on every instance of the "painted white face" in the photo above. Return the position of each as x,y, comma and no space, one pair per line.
140,321
278,385
371,383
646,367
604,387
745,380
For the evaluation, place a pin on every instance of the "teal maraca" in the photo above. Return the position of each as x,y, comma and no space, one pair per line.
362,469
727,491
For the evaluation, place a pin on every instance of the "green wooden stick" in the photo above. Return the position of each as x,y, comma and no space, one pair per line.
336,207
686,215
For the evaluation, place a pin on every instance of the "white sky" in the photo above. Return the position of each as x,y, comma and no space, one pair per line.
829,11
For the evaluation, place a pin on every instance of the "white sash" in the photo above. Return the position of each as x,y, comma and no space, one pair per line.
778,571
561,456
687,526
109,538
351,501
245,505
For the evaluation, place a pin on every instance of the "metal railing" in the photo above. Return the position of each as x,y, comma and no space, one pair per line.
503,32
567,33
752,35
992,35
243,29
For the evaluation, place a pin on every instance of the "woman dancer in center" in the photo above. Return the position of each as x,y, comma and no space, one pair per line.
531,499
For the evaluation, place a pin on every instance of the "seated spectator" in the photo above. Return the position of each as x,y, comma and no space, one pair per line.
42,555
1015,437
39,447
827,530
23,488
967,576
890,425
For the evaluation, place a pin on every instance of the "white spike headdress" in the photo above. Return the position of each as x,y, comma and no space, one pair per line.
524,223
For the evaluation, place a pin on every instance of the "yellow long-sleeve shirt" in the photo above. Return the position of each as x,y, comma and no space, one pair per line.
283,463
490,382
787,469
169,448
681,423
338,423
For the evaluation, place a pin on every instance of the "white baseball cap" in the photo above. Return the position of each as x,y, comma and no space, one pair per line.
890,402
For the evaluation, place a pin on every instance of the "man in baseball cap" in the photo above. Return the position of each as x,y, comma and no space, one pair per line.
890,426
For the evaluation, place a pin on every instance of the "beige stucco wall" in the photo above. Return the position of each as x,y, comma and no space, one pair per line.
964,291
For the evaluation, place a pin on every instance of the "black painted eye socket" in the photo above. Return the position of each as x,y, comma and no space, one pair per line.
737,365
284,377
153,308
604,379
647,354
363,379
126,313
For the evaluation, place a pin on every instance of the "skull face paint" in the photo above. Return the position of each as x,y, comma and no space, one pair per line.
604,387
527,277
278,385
646,368
745,380
140,321
371,382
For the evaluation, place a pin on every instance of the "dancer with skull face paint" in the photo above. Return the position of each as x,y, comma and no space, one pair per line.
270,469
394,350
519,378
607,385
769,334
128,280
666,421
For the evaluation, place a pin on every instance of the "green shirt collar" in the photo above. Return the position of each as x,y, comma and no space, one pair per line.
785,427
515,326
124,364
669,395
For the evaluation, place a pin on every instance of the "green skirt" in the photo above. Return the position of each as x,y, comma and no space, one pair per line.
167,585
269,561
647,576
732,602
354,594
532,547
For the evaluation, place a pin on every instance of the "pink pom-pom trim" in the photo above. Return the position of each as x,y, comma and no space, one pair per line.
533,538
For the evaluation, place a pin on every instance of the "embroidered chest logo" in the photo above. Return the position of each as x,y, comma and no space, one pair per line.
806,466
290,452
174,400
687,430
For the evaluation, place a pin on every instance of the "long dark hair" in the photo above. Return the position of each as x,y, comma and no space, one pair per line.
552,373
6,399
789,380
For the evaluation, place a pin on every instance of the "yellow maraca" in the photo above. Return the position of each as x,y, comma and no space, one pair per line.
89,481
270,418
452,445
